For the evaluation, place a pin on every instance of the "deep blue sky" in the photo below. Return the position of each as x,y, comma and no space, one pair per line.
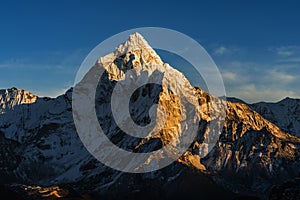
256,44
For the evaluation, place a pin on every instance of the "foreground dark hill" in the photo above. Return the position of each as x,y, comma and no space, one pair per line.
42,156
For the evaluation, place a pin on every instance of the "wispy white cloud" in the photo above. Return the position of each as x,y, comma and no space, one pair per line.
286,51
259,74
221,50
254,81
229,76
281,77
30,66
47,76
294,59
52,60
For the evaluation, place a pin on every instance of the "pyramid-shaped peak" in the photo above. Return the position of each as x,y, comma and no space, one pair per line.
136,42
138,38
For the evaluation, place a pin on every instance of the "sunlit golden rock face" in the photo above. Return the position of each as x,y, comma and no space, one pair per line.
239,113
191,160
172,108
171,125
52,192
12,97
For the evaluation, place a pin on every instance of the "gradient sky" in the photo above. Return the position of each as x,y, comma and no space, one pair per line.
255,44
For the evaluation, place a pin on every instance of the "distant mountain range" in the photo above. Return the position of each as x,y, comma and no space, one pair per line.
42,157
284,113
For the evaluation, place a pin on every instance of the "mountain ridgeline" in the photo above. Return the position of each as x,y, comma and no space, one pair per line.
42,156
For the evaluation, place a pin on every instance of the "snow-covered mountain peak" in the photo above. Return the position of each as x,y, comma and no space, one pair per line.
9,98
135,42
133,53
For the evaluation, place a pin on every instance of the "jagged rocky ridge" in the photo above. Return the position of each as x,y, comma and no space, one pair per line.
40,146
285,114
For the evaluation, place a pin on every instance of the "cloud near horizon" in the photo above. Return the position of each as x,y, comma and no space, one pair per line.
255,81
270,78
